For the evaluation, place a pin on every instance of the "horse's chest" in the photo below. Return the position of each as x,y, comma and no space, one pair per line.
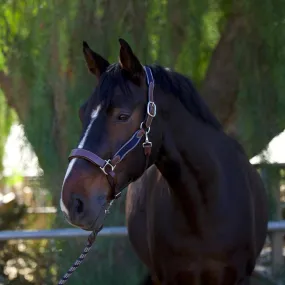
162,238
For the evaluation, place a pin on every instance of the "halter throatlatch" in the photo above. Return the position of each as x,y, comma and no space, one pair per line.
108,165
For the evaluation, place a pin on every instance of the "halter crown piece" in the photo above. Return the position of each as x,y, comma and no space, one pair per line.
108,165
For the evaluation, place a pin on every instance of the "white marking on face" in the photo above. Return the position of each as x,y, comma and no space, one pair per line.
69,168
94,116
62,207
95,112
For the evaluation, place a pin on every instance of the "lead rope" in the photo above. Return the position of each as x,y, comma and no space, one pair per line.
91,239
79,260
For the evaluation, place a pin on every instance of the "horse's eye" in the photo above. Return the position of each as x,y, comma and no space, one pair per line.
123,117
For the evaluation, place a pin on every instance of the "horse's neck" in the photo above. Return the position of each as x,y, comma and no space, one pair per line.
187,141
185,159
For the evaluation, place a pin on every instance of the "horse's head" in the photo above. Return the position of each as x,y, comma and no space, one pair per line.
113,150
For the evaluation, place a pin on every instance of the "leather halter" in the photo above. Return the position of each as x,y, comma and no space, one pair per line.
108,165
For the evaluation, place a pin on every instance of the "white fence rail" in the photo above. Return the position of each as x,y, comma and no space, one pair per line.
273,227
276,231
59,233
276,226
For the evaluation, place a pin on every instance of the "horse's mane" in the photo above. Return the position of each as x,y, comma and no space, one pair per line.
182,87
169,81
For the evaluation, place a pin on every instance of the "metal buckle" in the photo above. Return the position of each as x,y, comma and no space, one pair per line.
147,144
145,130
150,105
109,164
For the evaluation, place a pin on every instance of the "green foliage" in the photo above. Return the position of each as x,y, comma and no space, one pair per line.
7,117
20,261
260,59
12,180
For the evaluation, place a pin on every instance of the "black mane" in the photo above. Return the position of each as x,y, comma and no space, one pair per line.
169,81
182,87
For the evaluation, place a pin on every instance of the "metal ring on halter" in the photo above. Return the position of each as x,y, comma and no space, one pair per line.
152,105
142,127
107,164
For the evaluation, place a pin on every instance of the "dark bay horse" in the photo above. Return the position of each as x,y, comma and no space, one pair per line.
196,208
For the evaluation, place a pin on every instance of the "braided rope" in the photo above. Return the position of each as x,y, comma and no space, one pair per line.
79,260
90,241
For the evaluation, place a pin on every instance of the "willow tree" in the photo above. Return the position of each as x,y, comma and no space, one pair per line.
233,50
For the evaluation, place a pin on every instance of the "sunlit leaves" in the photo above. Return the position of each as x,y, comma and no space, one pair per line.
260,57
7,116
156,24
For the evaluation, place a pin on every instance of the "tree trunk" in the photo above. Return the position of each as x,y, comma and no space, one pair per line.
221,84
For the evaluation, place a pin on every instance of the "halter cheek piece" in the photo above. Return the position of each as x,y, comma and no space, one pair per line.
108,166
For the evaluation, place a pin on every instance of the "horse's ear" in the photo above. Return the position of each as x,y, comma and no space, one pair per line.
95,62
128,60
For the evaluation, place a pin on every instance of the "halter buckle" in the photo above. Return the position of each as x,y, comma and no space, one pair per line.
108,163
147,144
144,128
151,107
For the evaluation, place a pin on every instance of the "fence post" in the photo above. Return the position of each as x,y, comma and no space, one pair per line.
271,178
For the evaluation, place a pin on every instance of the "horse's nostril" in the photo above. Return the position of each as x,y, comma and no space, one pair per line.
79,206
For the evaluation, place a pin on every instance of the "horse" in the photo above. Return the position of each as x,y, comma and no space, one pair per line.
196,208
